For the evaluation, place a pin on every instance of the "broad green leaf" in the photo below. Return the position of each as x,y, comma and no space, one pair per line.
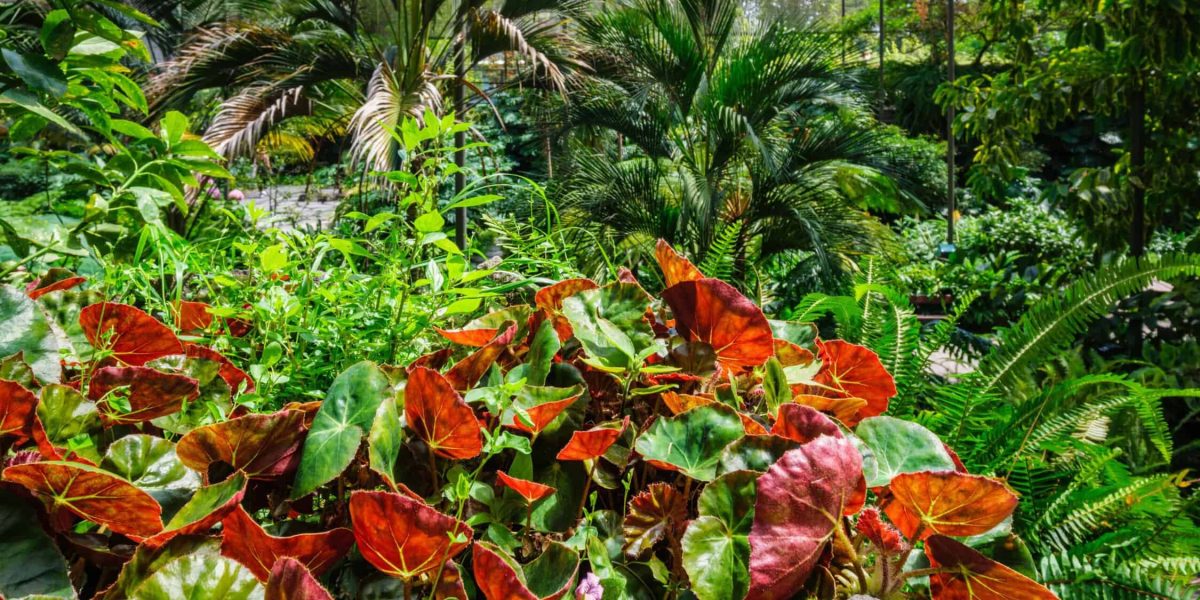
775,385
14,368
552,571
610,323
149,559
58,33
205,501
717,559
273,258
385,439
65,413
692,441
558,511
23,328
150,463
897,446
37,71
30,563
473,201
31,103
200,577
174,125
754,453
344,418
429,222
542,350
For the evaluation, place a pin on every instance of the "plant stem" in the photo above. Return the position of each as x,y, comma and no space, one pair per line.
408,589
433,474
587,486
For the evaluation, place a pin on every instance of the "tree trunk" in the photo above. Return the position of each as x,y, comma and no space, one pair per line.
460,138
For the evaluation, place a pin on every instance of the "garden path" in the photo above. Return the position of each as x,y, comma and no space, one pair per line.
291,208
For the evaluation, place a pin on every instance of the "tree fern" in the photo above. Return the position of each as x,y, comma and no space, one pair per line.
719,258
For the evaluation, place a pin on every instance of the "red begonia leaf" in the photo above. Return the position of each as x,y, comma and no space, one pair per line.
958,463
152,393
752,426
191,316
803,424
497,575
591,443
476,338
947,502
450,587
291,580
440,416
846,410
229,372
263,446
134,337
434,360
531,491
19,419
854,371
245,541
56,279
675,268
884,536
466,372
550,298
678,403
624,275
92,494
401,536
541,406
713,312
801,499
659,512
969,575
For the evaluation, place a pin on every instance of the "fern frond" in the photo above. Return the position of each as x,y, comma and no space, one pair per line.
1075,577
846,312
1084,519
718,259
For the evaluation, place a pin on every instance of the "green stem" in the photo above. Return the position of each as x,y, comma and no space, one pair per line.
32,257
587,486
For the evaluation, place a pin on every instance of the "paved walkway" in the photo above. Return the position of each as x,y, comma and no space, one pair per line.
292,209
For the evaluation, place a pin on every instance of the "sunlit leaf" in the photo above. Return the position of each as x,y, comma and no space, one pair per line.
500,577
440,417
714,312
263,446
207,507
802,424
591,443
535,407
898,446
691,442
199,576
134,337
404,537
800,501
610,323
949,503
150,393
290,580
467,372
531,491
855,371
150,463
54,280
246,542
674,266
92,494
716,545
25,329
970,575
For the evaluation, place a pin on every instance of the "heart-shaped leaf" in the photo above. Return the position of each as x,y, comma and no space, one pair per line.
550,300
949,503
150,393
150,463
591,443
754,453
440,417
263,446
800,501
855,371
65,413
25,329
246,542
337,431
846,410
467,372
30,563
680,403
716,546
714,312
404,537
898,446
657,513
675,268
385,440
132,336
887,539
691,442
91,494
19,417
536,407
803,424
969,575
531,491
290,580
610,323
229,372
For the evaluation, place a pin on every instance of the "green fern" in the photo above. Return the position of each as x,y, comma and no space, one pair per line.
719,258
1075,577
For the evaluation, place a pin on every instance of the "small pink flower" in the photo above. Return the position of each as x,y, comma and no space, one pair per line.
589,588
237,195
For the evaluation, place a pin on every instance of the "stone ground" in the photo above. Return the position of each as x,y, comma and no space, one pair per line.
292,209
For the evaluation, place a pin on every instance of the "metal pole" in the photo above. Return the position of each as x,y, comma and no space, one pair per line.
950,170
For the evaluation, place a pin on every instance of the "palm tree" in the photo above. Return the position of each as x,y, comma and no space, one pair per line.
354,66
746,141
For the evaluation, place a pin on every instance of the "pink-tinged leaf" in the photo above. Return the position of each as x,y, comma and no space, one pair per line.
404,537
55,280
886,539
245,541
496,575
531,491
440,417
713,312
675,268
947,502
19,419
466,372
152,393
803,424
969,575
291,580
263,446
134,337
801,499
846,410
92,494
191,316
232,375
855,371
451,585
